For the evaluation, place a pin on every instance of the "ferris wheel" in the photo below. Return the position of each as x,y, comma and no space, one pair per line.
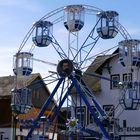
74,51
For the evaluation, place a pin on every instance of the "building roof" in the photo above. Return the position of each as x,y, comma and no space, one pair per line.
7,83
95,65
33,112
95,68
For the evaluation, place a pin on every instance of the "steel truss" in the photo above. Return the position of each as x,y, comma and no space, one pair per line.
79,88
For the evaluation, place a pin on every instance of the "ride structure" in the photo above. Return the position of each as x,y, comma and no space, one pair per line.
129,51
73,60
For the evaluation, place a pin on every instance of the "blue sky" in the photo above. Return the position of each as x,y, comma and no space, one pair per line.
17,16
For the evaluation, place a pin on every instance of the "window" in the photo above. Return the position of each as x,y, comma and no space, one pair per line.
35,94
2,117
81,115
127,77
1,135
91,118
114,81
109,110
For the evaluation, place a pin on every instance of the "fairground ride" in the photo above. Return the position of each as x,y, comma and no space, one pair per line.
80,27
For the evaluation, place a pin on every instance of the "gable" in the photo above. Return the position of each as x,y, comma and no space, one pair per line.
95,68
98,65
34,81
6,84
40,93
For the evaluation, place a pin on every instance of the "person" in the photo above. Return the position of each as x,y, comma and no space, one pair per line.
65,69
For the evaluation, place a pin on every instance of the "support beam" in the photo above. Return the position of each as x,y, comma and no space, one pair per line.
78,88
44,107
90,94
61,103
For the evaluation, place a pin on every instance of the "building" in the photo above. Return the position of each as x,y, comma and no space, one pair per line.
9,122
107,69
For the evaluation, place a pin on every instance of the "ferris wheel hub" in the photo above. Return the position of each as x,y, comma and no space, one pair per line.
65,68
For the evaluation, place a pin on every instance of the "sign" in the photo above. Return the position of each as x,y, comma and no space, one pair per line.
129,129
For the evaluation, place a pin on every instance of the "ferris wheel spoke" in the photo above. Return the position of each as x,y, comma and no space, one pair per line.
45,62
86,44
37,82
93,44
99,76
51,82
61,102
58,48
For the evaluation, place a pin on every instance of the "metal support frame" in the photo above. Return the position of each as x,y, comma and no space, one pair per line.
58,48
61,103
73,44
46,104
78,88
75,83
93,99
88,45
97,105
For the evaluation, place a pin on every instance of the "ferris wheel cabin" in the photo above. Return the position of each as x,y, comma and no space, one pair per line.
130,99
42,33
129,57
21,100
74,17
129,52
23,64
107,24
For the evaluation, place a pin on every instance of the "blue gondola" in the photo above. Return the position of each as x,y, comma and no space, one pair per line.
130,99
74,18
42,34
21,100
129,51
23,63
107,24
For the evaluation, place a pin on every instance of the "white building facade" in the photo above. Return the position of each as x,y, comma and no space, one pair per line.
127,124
129,120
